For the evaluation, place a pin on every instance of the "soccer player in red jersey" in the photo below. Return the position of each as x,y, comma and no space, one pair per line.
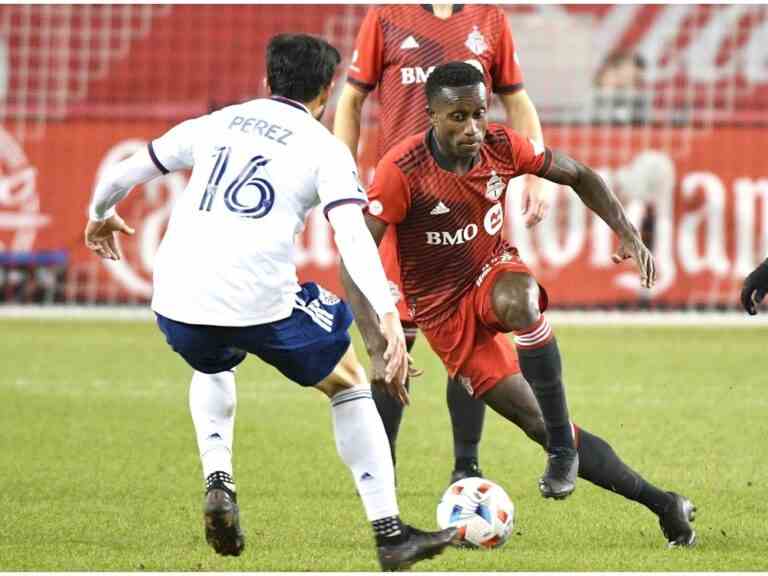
396,48
442,191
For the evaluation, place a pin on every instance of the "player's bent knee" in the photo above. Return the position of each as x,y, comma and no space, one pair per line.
348,373
515,300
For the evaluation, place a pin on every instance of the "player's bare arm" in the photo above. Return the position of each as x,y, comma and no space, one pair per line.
374,333
602,201
522,117
346,123
363,269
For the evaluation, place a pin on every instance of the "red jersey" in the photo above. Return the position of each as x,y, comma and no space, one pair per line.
448,226
398,46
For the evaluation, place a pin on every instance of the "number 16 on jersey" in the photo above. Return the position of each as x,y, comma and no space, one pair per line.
247,195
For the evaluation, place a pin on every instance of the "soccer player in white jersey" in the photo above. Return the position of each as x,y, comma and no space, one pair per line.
225,281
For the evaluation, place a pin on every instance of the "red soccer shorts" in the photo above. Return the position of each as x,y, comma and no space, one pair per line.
471,342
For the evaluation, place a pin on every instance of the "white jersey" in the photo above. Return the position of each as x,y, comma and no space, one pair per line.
227,258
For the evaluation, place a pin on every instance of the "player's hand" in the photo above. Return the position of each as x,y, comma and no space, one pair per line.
396,358
536,201
632,246
754,289
101,236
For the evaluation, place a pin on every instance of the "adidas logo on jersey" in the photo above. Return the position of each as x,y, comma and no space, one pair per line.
409,44
439,209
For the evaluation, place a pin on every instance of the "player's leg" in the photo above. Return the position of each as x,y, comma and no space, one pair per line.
515,303
362,445
315,350
513,399
599,464
212,403
390,410
467,417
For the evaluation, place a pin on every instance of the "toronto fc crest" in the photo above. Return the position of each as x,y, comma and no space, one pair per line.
476,42
495,187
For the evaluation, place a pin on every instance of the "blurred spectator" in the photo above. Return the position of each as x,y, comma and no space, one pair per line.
620,94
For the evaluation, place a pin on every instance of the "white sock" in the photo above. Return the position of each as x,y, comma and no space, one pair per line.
363,446
212,402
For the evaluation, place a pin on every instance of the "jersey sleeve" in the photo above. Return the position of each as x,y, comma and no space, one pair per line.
174,150
367,60
389,197
337,179
530,157
505,71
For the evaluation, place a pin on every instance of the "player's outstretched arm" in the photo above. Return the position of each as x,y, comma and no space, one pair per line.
755,287
104,223
346,122
368,294
602,201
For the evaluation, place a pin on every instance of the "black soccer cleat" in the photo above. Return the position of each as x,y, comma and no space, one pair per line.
559,479
676,520
417,546
466,470
222,522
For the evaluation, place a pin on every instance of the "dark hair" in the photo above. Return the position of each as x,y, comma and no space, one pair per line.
299,66
453,75
617,58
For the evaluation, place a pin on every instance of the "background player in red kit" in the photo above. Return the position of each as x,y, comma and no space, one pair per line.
396,48
466,287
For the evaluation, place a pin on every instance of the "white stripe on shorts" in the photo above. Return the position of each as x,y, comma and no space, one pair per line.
321,321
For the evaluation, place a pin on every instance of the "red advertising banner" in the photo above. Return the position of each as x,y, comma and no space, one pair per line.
701,197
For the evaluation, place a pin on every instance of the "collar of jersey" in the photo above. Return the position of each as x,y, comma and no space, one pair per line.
294,103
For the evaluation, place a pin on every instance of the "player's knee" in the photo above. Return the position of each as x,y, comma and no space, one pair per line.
516,307
348,373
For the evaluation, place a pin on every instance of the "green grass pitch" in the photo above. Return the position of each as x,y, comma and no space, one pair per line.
99,466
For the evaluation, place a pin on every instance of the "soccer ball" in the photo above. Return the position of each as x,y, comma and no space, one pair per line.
480,509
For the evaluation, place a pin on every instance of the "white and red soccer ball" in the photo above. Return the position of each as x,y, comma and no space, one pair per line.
480,509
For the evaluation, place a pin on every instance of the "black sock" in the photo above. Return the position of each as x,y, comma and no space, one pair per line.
468,464
222,481
391,412
467,415
542,368
599,464
388,530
